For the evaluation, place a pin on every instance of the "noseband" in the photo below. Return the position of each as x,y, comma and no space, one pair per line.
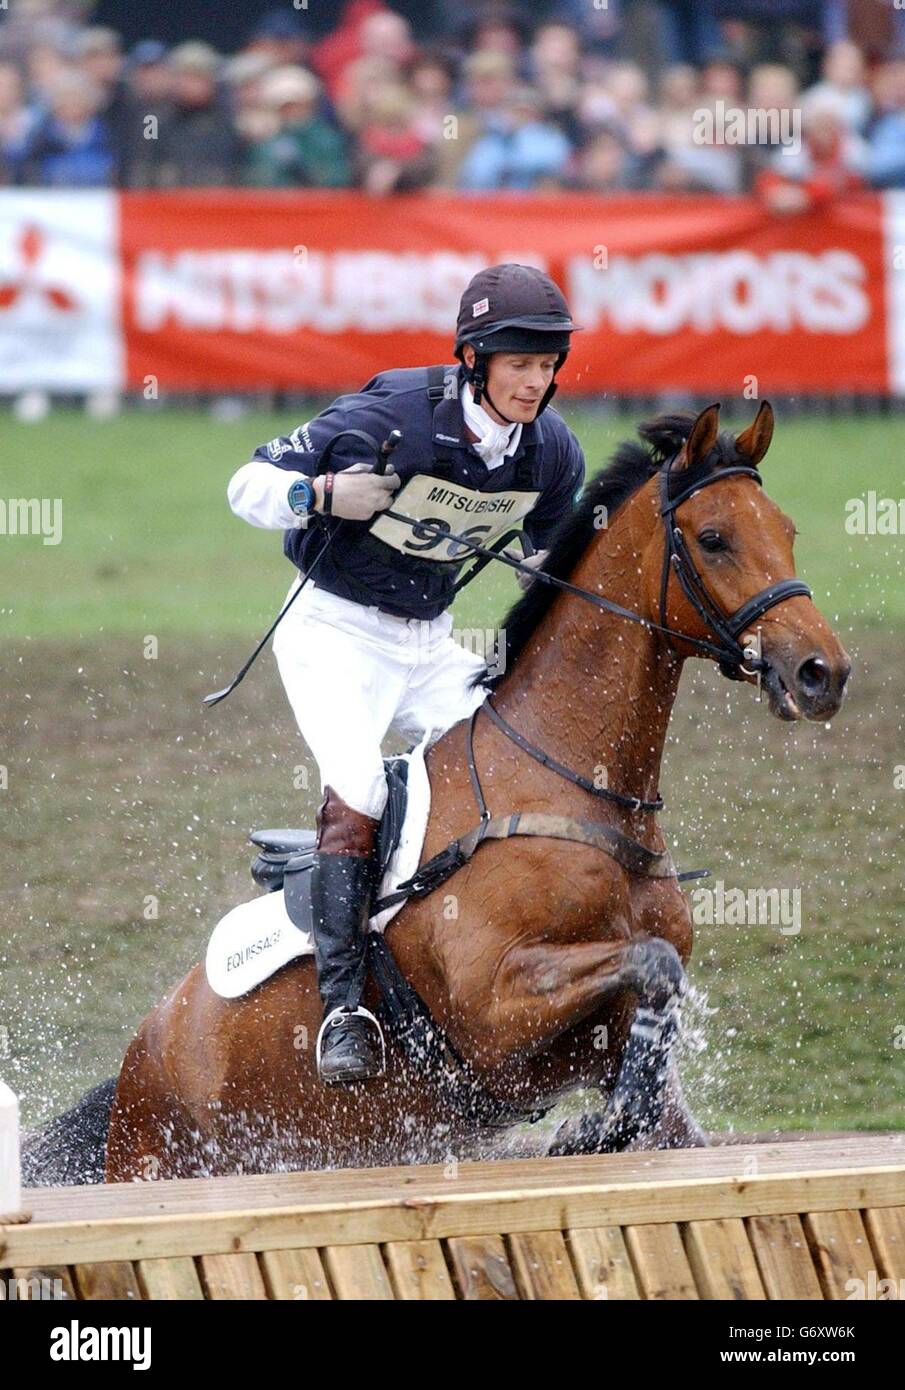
735,661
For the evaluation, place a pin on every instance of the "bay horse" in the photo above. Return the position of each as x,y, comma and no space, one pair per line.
551,961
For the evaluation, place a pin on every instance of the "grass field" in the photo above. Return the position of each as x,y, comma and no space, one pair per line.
121,790
149,543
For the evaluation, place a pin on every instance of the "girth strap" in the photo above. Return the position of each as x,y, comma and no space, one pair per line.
628,853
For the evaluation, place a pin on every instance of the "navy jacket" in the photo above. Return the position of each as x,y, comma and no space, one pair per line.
395,576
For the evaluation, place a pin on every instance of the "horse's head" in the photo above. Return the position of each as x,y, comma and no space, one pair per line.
738,544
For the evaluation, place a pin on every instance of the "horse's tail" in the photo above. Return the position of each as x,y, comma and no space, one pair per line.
71,1147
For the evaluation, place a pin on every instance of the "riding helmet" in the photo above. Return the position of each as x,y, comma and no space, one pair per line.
512,308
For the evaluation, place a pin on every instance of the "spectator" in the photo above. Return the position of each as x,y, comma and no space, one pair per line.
602,164
885,166
100,57
489,79
679,96
431,81
305,151
629,92
555,62
844,77
771,87
69,145
386,49
244,77
16,123
280,39
144,109
394,156
526,153
44,64
496,28
333,54
721,80
830,162
198,144
598,25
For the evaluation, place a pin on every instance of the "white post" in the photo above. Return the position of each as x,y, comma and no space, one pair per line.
10,1167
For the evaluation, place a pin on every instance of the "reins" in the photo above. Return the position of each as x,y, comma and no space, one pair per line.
731,656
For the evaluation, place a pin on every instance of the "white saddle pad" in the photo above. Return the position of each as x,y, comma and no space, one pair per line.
256,938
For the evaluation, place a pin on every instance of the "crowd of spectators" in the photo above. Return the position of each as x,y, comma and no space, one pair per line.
503,102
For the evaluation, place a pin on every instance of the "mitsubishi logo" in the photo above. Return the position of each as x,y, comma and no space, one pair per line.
31,250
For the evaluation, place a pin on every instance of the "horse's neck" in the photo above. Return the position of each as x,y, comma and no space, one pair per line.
595,690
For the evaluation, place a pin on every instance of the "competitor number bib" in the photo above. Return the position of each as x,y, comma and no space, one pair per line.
478,516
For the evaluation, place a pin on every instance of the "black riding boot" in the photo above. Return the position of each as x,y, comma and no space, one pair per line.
350,1042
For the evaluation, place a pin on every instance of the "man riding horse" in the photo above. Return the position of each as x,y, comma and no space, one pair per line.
368,646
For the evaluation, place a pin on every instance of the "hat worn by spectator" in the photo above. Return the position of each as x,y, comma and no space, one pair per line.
194,56
290,86
97,40
147,54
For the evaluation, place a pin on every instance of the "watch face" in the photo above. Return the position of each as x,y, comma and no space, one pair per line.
300,497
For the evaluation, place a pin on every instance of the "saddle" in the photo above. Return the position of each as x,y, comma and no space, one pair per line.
285,858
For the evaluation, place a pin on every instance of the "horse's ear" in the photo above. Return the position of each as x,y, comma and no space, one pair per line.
754,442
704,434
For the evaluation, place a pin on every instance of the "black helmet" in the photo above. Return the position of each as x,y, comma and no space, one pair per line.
512,308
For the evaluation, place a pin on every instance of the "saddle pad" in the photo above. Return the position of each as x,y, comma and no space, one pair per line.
257,938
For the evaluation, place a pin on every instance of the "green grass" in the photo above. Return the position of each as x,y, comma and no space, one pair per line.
150,546
121,787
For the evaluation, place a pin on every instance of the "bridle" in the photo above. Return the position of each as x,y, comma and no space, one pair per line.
735,661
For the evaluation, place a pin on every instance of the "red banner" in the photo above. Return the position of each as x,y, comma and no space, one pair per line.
228,289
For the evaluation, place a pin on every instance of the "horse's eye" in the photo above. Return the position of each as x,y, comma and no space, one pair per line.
712,541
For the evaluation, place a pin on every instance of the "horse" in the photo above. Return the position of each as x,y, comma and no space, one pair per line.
552,960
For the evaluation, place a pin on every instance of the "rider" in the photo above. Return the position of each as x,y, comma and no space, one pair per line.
367,645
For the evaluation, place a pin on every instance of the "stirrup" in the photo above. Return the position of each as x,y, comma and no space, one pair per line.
339,1015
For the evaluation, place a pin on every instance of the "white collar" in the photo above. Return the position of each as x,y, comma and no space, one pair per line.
494,443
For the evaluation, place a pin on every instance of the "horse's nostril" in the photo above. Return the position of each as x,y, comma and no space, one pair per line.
814,675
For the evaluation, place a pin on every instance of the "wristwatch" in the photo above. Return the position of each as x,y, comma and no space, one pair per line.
301,497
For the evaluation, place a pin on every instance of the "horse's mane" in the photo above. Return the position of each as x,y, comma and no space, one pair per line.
630,467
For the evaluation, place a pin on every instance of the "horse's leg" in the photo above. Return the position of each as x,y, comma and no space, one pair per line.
678,1128
638,1106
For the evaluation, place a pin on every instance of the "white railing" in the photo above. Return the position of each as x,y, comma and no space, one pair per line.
10,1165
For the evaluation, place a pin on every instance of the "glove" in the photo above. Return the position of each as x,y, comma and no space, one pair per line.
535,562
359,492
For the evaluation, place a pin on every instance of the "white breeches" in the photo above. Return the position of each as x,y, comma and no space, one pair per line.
353,673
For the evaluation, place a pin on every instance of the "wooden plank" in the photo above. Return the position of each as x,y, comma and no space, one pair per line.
660,1263
348,1186
46,1282
231,1277
106,1279
886,1233
169,1279
840,1250
602,1263
294,1274
418,1270
542,1266
722,1261
781,1249
482,1269
357,1272
418,1204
